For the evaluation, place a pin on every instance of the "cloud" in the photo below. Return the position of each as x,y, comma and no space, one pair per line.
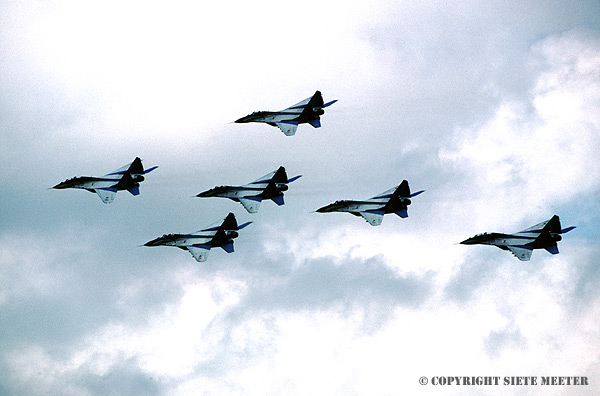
538,149
489,108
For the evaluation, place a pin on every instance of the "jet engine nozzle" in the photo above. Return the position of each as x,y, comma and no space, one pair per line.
232,234
318,111
556,237
138,178
281,186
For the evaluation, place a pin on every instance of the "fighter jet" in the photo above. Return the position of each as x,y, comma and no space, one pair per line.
127,178
541,236
307,111
394,200
200,242
270,186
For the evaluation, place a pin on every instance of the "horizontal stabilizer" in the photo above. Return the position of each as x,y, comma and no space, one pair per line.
417,193
135,190
552,249
330,103
315,123
523,253
294,178
106,195
373,217
402,213
150,170
244,225
287,127
228,247
552,225
251,204
565,230
200,252
278,199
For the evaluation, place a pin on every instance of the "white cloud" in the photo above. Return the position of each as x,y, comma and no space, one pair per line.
333,305
533,156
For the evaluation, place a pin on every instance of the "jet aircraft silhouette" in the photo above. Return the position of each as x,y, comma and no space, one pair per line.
394,200
544,235
127,178
270,186
307,111
199,243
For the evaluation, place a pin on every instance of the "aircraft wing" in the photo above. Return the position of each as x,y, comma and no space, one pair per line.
384,196
251,204
372,217
287,127
523,253
299,107
106,195
277,175
135,168
229,223
200,252
538,228
126,168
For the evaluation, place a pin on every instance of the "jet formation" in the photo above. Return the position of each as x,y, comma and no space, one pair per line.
270,186
199,243
394,200
307,111
127,178
544,235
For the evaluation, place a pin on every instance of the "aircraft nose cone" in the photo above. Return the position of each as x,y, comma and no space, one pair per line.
243,119
207,194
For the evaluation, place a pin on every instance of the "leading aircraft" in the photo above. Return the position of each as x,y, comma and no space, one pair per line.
544,235
394,200
307,111
127,178
200,242
270,186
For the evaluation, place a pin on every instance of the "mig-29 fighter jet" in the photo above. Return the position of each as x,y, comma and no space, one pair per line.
200,242
394,200
127,178
270,186
541,236
307,111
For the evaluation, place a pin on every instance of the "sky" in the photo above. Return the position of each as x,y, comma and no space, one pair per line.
493,108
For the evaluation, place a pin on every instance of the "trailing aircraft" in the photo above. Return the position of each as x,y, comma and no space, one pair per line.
199,243
394,200
127,178
270,186
307,111
544,235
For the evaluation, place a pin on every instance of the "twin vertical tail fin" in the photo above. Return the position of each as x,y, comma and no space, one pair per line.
230,223
550,235
403,190
280,176
136,167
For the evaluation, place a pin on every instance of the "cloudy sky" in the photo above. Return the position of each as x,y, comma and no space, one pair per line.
492,107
